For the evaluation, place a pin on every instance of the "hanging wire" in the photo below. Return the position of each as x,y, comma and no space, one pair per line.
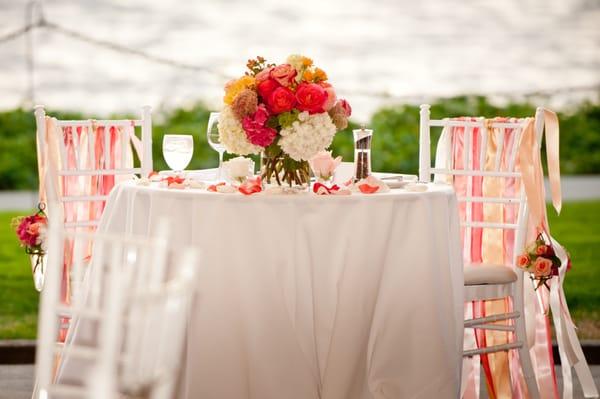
132,51
41,22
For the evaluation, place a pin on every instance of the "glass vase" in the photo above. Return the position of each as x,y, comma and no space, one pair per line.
285,172
38,266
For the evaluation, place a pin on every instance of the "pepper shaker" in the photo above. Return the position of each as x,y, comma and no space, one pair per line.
362,153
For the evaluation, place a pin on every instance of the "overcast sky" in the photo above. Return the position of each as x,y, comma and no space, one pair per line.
370,48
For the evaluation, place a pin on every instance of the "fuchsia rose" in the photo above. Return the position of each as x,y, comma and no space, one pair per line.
542,266
29,228
256,131
311,97
263,75
346,107
266,87
281,100
283,74
523,261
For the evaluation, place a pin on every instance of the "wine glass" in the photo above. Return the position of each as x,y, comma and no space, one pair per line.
212,135
178,150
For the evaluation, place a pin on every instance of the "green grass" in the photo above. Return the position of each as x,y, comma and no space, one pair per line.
578,229
18,298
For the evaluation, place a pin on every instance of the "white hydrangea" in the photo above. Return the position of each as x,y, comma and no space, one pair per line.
307,136
233,136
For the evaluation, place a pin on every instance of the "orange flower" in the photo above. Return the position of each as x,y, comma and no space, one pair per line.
307,61
523,261
308,75
320,74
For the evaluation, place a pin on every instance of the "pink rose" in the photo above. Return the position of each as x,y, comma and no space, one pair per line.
331,97
523,261
256,131
542,266
263,75
283,74
346,107
311,97
281,100
323,165
266,87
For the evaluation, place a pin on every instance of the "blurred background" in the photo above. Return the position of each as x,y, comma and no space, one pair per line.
108,58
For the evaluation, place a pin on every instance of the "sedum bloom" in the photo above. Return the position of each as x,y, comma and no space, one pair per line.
245,104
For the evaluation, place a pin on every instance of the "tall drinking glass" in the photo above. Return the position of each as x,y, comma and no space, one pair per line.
177,151
212,135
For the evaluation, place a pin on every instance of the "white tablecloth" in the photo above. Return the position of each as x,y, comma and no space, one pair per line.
314,297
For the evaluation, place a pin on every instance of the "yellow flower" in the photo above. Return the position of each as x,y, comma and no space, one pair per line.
299,61
235,87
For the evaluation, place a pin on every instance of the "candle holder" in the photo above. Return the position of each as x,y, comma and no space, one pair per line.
362,153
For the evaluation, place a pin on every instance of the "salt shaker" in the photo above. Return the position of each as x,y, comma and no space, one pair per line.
362,153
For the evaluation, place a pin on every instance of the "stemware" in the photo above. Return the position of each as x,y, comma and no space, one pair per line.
177,151
212,135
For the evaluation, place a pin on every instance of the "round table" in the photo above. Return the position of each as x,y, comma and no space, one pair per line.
306,296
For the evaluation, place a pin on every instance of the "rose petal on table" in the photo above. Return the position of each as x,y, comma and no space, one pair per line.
368,189
321,189
178,186
213,187
251,186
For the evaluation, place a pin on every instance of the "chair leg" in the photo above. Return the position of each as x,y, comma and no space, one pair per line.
521,335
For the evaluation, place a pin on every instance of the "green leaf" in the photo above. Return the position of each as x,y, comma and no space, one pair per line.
287,118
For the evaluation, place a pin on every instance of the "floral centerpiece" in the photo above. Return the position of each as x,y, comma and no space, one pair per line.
287,112
31,232
540,261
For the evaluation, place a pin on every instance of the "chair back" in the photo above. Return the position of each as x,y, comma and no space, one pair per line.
469,151
81,160
128,328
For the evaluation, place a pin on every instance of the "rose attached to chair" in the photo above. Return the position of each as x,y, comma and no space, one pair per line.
540,261
31,231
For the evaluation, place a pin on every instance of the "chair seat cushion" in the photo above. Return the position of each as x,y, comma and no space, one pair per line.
484,273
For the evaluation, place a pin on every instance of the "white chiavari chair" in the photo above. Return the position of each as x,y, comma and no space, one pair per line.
79,161
487,281
128,330
84,160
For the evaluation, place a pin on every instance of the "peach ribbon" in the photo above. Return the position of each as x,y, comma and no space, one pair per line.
570,351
